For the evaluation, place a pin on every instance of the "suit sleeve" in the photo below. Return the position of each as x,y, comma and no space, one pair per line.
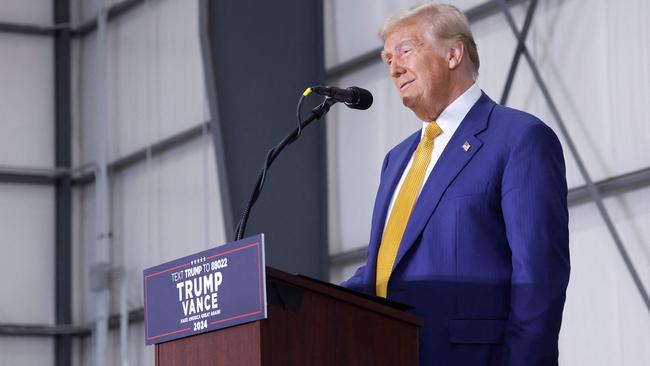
534,204
357,281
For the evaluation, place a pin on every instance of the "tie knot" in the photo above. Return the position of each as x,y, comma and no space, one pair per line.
432,131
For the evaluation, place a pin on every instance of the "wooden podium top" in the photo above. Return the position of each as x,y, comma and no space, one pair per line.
372,303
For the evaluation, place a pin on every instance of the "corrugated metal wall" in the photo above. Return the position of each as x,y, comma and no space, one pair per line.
168,205
26,211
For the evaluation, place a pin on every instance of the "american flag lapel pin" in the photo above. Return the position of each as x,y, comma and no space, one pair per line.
466,146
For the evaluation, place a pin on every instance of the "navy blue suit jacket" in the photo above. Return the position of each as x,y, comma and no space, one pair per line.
485,257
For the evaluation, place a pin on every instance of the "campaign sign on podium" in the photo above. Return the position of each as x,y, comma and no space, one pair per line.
212,289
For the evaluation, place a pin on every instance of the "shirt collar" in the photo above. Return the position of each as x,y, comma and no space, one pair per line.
453,115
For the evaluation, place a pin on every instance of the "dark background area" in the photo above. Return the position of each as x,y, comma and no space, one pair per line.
262,65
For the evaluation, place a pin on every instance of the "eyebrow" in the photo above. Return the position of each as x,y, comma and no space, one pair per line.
407,42
384,55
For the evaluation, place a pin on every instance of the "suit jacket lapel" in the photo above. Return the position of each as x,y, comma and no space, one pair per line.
453,159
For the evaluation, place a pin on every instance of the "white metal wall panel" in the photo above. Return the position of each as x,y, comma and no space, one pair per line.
157,73
25,351
164,209
26,100
82,239
84,63
26,211
138,353
27,217
84,10
155,78
605,320
78,349
627,85
600,101
84,242
37,12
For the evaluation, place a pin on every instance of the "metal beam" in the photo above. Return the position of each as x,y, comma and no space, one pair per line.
114,12
611,186
9,174
488,8
26,175
140,155
354,64
474,14
63,188
135,316
31,330
29,29
42,330
521,42
348,257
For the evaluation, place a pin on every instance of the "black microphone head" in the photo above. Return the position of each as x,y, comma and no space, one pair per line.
364,98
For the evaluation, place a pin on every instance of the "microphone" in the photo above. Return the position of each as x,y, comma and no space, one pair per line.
354,97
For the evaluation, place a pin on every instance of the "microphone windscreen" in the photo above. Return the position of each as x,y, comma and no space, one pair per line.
364,101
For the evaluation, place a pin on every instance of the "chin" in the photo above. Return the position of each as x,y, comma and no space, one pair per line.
408,101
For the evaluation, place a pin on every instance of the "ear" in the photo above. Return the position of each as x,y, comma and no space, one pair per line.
455,54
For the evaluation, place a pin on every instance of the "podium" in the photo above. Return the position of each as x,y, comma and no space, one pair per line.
309,323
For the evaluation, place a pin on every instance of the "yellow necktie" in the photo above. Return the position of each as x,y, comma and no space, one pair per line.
402,208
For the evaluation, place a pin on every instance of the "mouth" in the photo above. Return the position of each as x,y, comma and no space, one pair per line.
405,85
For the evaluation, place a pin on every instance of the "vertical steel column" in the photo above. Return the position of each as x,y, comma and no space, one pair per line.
521,43
63,188
594,193
101,268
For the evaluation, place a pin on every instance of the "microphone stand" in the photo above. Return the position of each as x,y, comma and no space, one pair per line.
316,113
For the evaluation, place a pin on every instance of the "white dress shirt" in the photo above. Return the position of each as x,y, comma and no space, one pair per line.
449,120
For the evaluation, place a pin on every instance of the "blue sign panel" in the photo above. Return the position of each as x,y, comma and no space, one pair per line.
213,289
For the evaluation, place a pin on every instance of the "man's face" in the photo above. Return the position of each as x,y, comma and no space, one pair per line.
418,70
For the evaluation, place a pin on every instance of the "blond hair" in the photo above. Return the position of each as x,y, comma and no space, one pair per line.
443,21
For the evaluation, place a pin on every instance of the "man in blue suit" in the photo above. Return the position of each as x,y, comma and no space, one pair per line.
470,223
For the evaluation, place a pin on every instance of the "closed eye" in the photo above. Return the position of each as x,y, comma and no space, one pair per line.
406,51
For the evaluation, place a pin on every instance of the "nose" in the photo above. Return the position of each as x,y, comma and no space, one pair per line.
395,68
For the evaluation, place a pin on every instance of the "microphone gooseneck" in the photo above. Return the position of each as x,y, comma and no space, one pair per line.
354,97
